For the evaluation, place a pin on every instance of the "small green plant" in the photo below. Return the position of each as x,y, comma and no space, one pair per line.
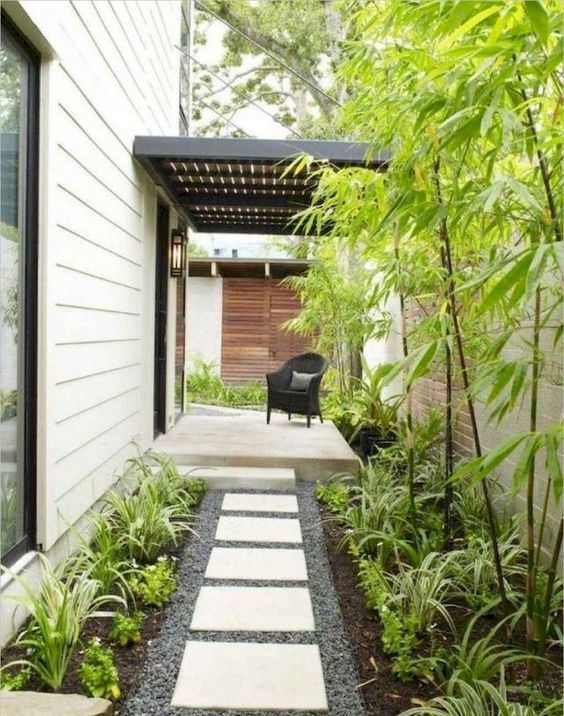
205,386
334,494
154,583
14,680
103,558
98,674
58,608
126,629
479,698
144,523
370,409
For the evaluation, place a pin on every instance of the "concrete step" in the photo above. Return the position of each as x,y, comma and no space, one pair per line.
242,478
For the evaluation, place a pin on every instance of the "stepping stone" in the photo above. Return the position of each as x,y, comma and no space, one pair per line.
281,479
32,703
284,565
267,677
272,609
259,503
258,529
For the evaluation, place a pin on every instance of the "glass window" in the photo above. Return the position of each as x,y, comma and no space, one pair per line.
18,153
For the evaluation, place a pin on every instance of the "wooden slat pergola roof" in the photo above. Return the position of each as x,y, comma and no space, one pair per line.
238,185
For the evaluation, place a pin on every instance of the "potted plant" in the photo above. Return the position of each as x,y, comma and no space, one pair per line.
375,418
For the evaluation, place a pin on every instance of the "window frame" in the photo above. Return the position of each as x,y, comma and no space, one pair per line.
30,288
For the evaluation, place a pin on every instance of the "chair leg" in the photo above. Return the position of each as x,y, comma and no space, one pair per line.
268,414
309,420
320,417
289,416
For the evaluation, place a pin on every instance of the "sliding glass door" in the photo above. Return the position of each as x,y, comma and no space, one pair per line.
19,79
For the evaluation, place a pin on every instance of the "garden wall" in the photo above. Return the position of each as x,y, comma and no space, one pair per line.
430,392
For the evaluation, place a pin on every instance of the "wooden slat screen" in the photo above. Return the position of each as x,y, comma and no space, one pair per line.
284,305
253,341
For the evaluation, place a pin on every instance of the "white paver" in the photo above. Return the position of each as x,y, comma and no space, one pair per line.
258,529
267,677
275,564
227,477
272,609
240,502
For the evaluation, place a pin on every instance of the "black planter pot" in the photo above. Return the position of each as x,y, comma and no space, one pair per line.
371,441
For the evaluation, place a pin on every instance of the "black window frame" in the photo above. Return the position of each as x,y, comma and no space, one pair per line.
30,258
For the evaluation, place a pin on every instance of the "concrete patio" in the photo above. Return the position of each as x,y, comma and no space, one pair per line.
237,438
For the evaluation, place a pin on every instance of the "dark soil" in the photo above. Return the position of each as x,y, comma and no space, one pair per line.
384,694
129,659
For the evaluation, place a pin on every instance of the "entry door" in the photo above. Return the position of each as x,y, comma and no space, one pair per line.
161,285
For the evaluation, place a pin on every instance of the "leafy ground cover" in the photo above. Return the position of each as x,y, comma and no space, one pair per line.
94,616
204,386
423,614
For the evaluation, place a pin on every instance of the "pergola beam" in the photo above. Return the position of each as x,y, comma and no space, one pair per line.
209,178
244,200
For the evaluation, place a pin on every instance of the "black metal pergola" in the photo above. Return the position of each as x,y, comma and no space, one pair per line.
241,185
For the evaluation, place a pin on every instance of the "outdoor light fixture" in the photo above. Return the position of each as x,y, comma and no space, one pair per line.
177,254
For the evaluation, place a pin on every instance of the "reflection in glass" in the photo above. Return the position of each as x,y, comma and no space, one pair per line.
179,347
13,134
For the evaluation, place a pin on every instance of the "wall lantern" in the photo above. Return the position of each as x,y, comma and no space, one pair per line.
178,253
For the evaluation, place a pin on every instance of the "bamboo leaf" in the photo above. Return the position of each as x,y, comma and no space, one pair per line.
538,17
508,282
476,19
422,360
553,465
525,462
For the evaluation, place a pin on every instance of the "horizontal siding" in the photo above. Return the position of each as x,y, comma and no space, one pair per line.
76,252
85,462
76,361
115,76
79,396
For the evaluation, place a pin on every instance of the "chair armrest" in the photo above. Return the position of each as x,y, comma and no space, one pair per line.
279,379
314,383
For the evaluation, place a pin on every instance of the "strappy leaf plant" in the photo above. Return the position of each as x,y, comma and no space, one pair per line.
59,608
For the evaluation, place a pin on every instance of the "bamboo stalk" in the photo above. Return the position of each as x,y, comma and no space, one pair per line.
492,523
531,582
449,448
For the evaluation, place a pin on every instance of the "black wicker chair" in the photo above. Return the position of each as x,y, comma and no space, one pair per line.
302,402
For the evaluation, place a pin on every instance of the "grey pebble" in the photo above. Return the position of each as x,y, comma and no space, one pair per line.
153,692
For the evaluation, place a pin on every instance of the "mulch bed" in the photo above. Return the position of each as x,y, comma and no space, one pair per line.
384,694
129,659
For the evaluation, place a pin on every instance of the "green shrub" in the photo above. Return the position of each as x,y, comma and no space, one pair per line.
11,680
205,386
479,698
103,558
334,494
98,674
58,608
126,629
154,583
179,491
143,522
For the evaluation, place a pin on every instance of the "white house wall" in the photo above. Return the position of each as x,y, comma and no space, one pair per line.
111,70
204,315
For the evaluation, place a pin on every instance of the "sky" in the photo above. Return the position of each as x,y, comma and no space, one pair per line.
254,122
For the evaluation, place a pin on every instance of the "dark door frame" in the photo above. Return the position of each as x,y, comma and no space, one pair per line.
28,439
161,306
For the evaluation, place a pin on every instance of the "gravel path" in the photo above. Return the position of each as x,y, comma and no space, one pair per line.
154,691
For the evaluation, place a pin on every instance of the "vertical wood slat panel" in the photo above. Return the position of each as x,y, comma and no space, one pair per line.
284,305
253,341
245,330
